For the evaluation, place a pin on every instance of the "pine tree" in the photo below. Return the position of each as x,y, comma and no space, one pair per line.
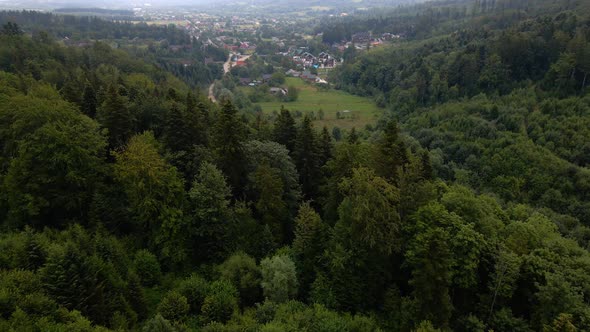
285,132
307,159
311,236
89,101
229,135
116,117
391,153
326,146
178,132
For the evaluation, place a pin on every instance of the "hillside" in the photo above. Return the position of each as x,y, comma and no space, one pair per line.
129,201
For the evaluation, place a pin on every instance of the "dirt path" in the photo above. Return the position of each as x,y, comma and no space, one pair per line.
226,68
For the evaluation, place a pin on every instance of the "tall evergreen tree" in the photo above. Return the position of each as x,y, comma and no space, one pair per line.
229,153
114,115
89,101
326,146
391,153
307,158
353,137
285,132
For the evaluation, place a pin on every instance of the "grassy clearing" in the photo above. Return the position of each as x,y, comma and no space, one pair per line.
362,111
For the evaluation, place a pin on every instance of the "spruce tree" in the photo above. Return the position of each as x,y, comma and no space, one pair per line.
307,159
229,153
115,116
285,132
353,137
391,154
326,146
89,101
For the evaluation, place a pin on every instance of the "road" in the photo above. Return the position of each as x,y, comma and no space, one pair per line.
226,69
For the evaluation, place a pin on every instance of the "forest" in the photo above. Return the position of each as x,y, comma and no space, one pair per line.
131,202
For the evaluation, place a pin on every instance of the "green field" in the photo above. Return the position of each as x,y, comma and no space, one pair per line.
362,111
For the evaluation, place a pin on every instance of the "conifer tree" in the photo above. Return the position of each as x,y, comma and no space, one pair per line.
326,146
391,153
114,115
89,101
307,158
285,132
353,137
229,152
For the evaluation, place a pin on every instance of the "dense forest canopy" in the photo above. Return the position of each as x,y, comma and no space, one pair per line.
130,201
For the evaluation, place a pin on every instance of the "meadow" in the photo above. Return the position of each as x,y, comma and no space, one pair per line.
361,110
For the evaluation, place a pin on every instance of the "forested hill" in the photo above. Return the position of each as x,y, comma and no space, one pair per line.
169,47
504,105
129,202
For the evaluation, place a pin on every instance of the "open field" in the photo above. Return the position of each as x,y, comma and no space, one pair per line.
362,111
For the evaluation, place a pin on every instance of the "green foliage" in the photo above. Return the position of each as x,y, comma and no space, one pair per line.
194,289
51,160
279,278
369,209
155,193
311,235
241,270
114,115
173,307
147,268
228,135
210,222
220,303
158,324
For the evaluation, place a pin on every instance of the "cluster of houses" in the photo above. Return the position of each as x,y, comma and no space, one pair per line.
362,40
304,59
306,75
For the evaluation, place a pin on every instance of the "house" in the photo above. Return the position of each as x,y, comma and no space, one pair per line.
245,80
241,63
266,77
307,76
361,37
293,73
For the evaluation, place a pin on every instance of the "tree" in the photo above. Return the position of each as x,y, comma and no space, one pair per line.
11,29
279,278
306,156
220,303
52,176
147,268
241,270
353,137
270,205
391,154
370,209
195,289
284,130
155,193
229,136
115,116
292,93
311,236
89,101
173,307
430,260
326,146
210,222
